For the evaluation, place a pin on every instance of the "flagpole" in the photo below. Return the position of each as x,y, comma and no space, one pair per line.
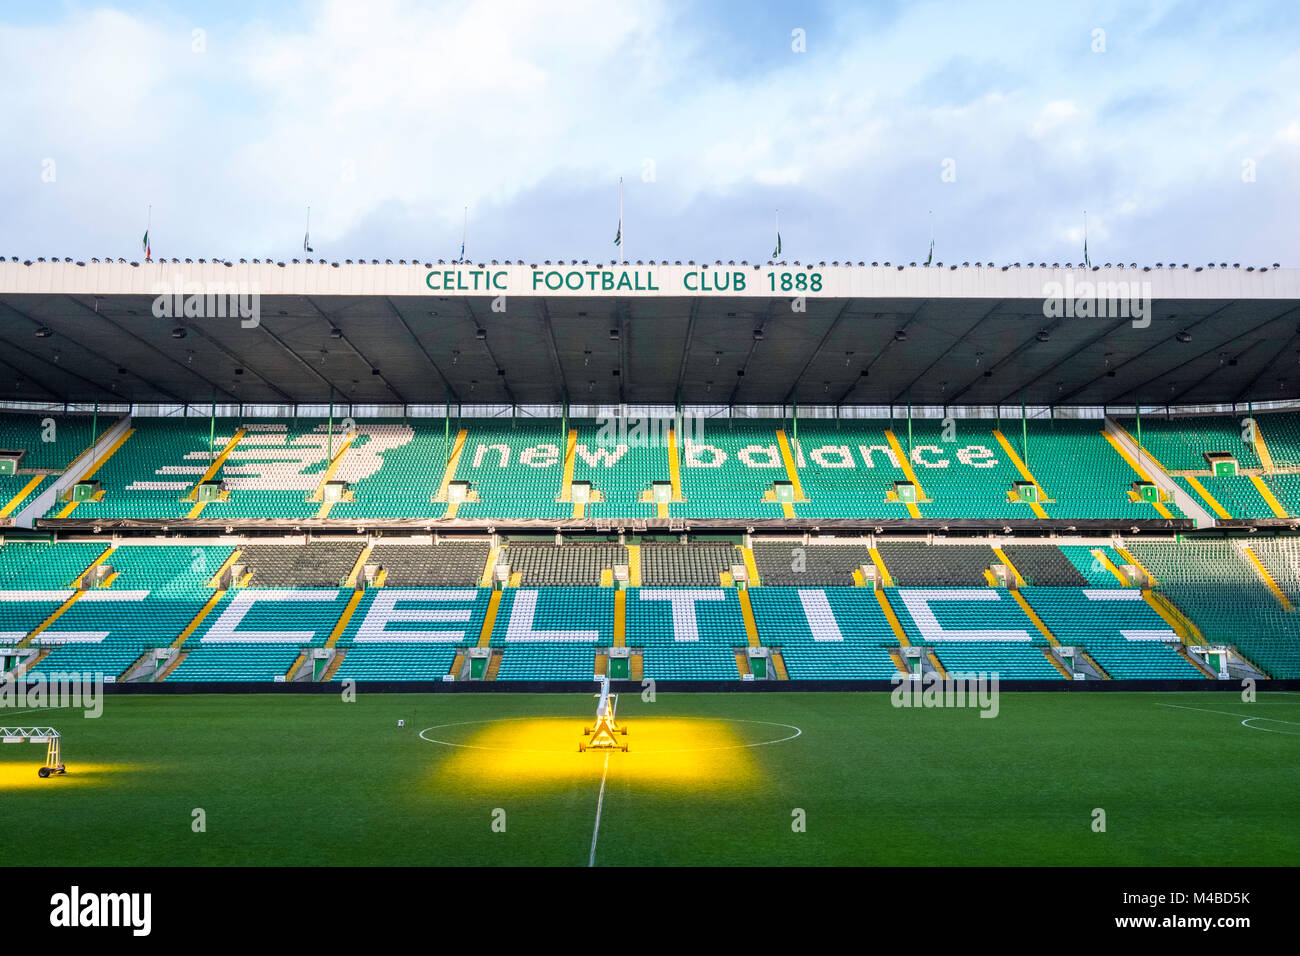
464,231
622,241
147,228
778,232
1085,237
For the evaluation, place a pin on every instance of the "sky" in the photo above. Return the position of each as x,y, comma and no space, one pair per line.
1175,124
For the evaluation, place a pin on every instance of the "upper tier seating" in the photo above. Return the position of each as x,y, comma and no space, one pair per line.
52,440
516,469
1237,495
726,466
619,470
1179,444
969,474
846,469
1281,433
1079,471
1286,488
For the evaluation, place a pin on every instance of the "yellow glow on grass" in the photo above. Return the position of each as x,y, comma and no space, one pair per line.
543,752
21,775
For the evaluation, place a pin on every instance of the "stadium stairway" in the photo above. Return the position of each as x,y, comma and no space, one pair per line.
50,492
1148,469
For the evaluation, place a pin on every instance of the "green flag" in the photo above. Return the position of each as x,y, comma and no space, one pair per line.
930,258
777,251
618,236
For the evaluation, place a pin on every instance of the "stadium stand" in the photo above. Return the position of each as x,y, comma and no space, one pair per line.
1180,443
1116,627
409,633
672,662
826,633
316,564
574,565
668,616
1044,566
686,565
515,469
815,565
727,466
548,661
679,625
151,595
1081,472
51,442
555,615
918,565
1281,434
1281,557
618,471
1213,583
448,563
1009,661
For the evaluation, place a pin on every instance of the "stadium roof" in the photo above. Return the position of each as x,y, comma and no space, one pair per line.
416,333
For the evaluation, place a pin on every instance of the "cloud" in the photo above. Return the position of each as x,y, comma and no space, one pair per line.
389,118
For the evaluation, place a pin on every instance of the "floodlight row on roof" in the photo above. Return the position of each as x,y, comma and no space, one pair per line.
664,262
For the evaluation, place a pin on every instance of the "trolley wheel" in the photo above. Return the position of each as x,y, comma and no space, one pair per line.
623,731
582,748
587,731
43,772
625,748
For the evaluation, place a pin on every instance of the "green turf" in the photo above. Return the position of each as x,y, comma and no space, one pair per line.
313,780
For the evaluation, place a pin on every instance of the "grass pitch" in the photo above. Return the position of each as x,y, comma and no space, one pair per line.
710,779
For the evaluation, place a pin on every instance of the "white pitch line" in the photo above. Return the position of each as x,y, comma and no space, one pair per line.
1228,713
600,801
